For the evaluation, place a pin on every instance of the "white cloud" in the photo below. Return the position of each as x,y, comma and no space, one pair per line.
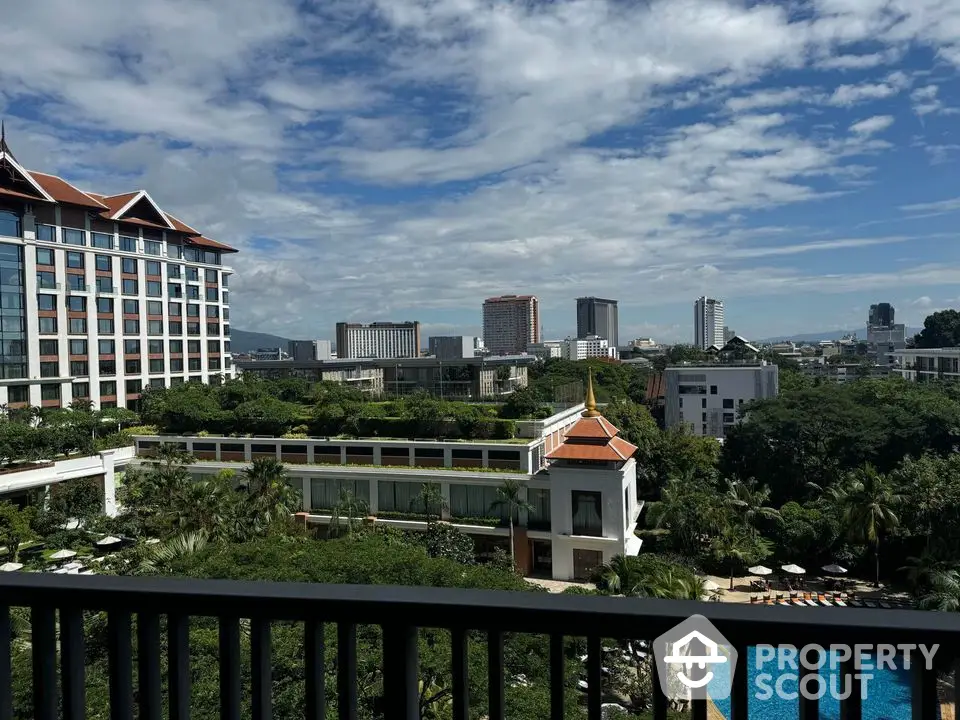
872,125
925,100
947,205
924,301
847,95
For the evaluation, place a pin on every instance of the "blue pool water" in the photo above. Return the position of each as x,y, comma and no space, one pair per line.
886,697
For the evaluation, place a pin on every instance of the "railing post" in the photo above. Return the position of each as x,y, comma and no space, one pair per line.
44,650
229,668
740,692
72,669
924,701
6,691
120,662
459,670
850,706
594,679
557,677
148,665
178,665
313,644
400,664
495,685
809,706
347,671
261,665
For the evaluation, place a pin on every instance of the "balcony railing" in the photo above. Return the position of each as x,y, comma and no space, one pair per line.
57,637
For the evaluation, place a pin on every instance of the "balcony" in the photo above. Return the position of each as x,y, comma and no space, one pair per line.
56,604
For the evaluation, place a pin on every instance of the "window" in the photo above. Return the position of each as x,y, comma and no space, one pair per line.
703,417
128,244
713,389
176,328
587,513
193,346
74,237
103,262
703,403
50,392
129,266
131,327
154,327
108,388
79,368
49,347
78,326
156,382
154,288
47,233
81,391
213,329
101,240
193,292
131,347
210,275
130,286
226,281
131,307
156,365
154,307
46,280
226,330
104,305
44,256
213,347
174,251
193,364
193,274
76,303
152,248
729,418
176,346
174,290
75,260
193,328
176,364
680,402
46,302
104,285
728,403
226,313
153,267
49,369
174,309
155,347
225,298
105,326
108,367
173,272
213,311
213,363
106,347
134,387
212,294
76,282
78,347
131,367
193,310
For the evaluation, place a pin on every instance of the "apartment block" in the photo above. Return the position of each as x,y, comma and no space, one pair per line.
511,323
103,295
382,340
708,327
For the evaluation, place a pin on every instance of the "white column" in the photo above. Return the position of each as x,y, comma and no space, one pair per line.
248,451
484,458
448,457
311,452
307,499
343,454
377,455
374,496
109,483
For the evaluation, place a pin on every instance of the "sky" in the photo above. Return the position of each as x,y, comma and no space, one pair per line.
404,159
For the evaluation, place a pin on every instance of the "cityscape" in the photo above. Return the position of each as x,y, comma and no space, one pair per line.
308,407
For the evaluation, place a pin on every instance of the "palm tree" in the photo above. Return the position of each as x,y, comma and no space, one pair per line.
157,558
621,576
270,498
749,500
512,496
867,501
430,498
943,593
348,506
739,546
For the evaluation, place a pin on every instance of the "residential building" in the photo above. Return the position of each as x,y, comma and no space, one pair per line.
305,350
708,398
923,365
598,317
264,354
454,347
817,368
322,350
511,323
588,347
103,295
708,328
644,344
383,340
546,349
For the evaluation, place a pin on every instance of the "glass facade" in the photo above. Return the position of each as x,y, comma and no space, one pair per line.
13,338
475,501
325,492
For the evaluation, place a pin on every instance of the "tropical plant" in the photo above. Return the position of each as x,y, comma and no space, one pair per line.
270,500
15,527
156,559
431,500
348,507
512,496
943,592
748,500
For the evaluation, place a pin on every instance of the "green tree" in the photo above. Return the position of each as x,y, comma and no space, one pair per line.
348,507
749,500
512,496
523,403
430,499
15,527
738,547
270,500
941,329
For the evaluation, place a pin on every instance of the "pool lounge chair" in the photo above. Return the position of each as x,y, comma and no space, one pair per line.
822,599
808,599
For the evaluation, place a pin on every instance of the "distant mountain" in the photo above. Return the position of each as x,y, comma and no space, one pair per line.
827,335
243,341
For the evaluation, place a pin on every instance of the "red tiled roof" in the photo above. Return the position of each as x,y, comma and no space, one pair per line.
180,225
593,438
115,203
592,427
22,196
201,241
62,191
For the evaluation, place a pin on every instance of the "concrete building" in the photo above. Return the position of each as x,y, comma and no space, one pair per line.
454,347
383,340
708,398
546,350
598,317
708,327
589,347
923,365
103,295
511,323
881,314
728,334
304,350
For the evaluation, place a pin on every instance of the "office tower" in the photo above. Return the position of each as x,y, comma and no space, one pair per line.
882,330
881,315
708,323
103,295
301,350
454,347
378,340
510,324
598,317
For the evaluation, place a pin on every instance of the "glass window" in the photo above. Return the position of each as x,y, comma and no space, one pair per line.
176,364
74,260
587,508
104,285
226,346
105,326
81,391
104,262
18,394
130,287
211,257
134,386
76,282
131,367
152,248
50,391
46,280
193,364
212,295
174,290
46,302
193,310
11,324
174,309
78,326
153,267
47,233
130,266
108,367
176,328
213,347
9,223
49,347
225,281
210,275
155,347
154,307
76,303
154,327
193,292
108,388
225,297
226,330
78,347
131,307
49,369
173,271
176,347
131,327
131,347
79,368
154,288
193,328
213,311
44,256
74,237
193,274
104,305
226,313
156,382
213,329
102,240
48,325
128,244
156,365
106,347
174,251
213,363
193,346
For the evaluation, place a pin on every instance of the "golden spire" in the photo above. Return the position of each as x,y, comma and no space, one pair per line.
590,401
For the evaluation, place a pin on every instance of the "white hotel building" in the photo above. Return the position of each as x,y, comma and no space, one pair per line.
381,340
101,296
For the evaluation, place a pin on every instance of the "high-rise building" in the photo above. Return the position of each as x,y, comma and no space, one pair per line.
881,315
305,350
378,340
454,347
598,317
708,323
103,295
510,324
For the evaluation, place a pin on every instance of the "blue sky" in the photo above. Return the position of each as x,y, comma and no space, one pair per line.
404,159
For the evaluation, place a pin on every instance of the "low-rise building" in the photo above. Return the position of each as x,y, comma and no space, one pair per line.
546,350
454,347
923,365
588,347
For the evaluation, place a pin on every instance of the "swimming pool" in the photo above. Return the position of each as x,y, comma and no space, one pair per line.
887,695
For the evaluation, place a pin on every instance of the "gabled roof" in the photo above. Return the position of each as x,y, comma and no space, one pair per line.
7,159
141,196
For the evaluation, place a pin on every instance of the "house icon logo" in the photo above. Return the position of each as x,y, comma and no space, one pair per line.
694,661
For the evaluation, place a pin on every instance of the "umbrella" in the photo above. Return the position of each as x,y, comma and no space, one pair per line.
760,570
710,586
108,540
793,569
10,567
834,569
63,555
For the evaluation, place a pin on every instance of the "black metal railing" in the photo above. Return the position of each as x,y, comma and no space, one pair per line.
57,604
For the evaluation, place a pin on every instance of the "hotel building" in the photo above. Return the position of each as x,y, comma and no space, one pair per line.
103,295
511,323
383,340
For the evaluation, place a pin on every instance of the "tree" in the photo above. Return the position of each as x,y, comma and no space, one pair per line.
270,500
431,500
443,540
512,495
941,329
15,527
738,547
522,403
748,500
348,506
867,502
